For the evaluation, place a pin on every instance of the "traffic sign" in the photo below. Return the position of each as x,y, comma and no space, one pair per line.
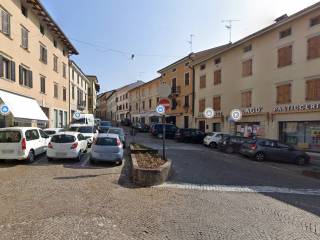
209,113
235,115
4,109
77,115
165,102
161,109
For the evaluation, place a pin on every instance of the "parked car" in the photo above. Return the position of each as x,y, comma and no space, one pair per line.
212,139
267,149
189,135
52,131
104,126
120,133
107,148
89,132
141,127
22,143
170,130
231,144
67,145
84,119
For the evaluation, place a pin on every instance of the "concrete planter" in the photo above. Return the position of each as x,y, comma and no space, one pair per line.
141,149
149,177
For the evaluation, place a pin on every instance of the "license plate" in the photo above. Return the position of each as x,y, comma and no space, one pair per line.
61,154
7,151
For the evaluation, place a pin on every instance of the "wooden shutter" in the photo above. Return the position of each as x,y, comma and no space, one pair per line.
5,22
247,68
284,94
314,47
313,90
13,70
1,66
202,105
246,99
217,103
203,81
285,56
217,77
29,79
20,75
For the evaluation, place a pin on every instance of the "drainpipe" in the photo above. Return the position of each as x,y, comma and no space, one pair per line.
69,90
193,87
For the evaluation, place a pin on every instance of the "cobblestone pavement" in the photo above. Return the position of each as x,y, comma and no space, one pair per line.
68,200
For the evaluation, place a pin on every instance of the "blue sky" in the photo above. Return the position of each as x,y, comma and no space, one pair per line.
107,32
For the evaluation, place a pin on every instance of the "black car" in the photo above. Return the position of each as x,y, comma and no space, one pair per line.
104,126
170,130
189,135
268,149
141,127
231,144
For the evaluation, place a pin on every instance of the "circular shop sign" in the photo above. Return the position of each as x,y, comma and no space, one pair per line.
4,109
208,113
161,109
77,115
236,115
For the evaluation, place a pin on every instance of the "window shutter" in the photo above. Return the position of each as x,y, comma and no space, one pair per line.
20,75
30,81
1,66
45,55
13,71
5,22
314,47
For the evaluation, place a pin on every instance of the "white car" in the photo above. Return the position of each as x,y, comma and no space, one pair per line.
52,131
22,143
67,145
213,138
89,132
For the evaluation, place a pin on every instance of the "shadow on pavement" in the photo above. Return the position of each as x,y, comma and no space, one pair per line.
82,176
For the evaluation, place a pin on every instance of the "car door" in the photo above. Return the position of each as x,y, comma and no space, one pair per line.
270,149
33,140
284,154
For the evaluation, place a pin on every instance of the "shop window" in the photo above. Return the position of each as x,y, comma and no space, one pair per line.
217,77
203,81
217,103
246,99
202,105
313,90
314,47
247,68
285,56
284,94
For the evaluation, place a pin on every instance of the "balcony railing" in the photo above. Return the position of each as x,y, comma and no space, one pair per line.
175,90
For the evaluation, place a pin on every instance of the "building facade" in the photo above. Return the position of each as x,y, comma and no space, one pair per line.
101,111
272,76
34,56
112,106
78,89
93,89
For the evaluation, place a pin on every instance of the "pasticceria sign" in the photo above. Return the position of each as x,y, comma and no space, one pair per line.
297,107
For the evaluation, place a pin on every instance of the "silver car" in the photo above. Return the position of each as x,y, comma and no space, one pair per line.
107,148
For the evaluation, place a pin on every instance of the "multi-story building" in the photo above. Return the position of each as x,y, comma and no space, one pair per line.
143,102
78,89
93,89
101,111
34,56
112,106
272,76
122,100
180,77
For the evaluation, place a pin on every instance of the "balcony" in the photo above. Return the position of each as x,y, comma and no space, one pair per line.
175,90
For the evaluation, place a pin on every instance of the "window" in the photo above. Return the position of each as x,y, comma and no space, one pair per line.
202,67
42,29
78,79
203,81
315,21
55,91
285,56
284,94
313,90
158,99
186,101
314,47
143,105
72,91
32,135
173,70
25,77
217,61
186,64
24,38
5,22
202,105
126,105
24,11
42,84
55,63
186,78
55,43
64,94
247,68
246,99
150,103
217,77
136,106
72,74
43,54
247,48
7,69
64,70
285,33
216,103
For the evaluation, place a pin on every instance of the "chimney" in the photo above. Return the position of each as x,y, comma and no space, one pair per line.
279,19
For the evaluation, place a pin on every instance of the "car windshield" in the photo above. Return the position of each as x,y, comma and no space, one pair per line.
79,121
82,129
106,141
10,136
105,124
116,131
50,132
63,139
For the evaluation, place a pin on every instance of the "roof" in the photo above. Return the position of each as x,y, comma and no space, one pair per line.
153,80
52,25
279,22
78,68
131,85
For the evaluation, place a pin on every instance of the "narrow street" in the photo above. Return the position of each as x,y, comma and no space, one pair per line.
69,200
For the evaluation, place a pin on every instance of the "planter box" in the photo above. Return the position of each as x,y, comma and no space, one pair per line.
149,177
141,149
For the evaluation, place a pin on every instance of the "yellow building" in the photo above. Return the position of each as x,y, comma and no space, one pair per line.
34,56
272,76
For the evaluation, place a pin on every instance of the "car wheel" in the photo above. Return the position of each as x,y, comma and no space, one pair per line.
301,161
119,163
259,157
31,157
229,150
213,145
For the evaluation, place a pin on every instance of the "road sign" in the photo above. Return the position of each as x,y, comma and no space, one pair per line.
165,102
4,109
77,115
164,90
208,113
161,109
236,115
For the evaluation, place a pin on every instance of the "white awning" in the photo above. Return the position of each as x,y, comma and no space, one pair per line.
23,107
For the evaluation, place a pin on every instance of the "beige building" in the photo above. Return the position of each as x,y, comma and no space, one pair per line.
93,89
78,89
34,56
272,76
101,111
112,106
143,102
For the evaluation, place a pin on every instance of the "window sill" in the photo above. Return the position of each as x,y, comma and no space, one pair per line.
24,86
42,93
25,49
7,79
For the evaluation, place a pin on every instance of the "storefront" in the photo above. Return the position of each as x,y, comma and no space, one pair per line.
215,124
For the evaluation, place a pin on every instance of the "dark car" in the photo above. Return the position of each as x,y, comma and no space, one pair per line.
104,126
189,135
170,130
231,144
267,149
141,127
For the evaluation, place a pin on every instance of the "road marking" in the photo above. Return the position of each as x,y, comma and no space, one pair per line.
242,189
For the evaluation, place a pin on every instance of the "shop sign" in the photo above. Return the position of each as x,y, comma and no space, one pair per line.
252,110
297,107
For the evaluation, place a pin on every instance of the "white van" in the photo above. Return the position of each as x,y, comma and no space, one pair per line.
22,143
84,119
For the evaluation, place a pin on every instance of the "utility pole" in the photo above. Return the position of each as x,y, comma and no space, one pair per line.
191,42
229,26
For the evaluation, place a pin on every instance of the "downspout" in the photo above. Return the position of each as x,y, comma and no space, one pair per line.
193,87
69,90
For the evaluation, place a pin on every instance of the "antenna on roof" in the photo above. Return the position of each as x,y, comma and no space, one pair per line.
229,26
191,42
